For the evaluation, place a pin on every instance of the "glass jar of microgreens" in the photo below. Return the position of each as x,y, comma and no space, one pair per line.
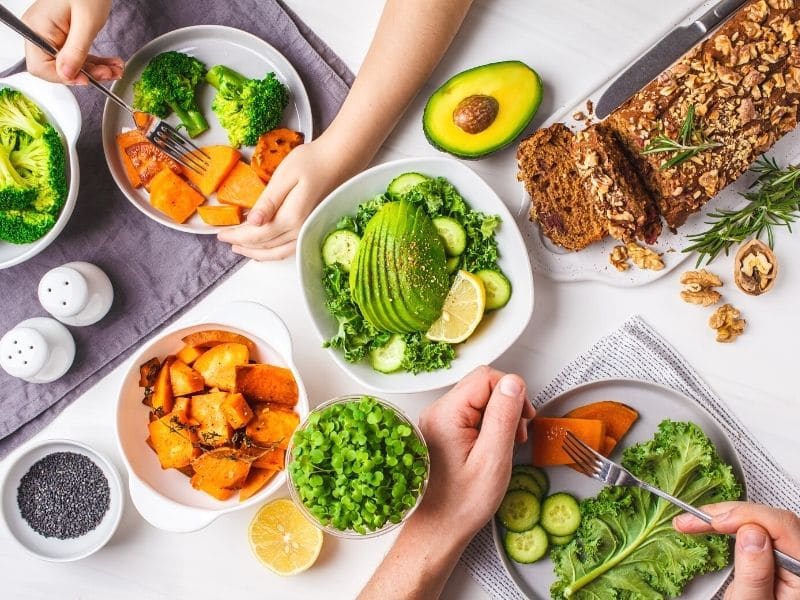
358,467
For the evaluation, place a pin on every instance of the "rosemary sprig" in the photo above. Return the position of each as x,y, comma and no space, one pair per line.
690,143
774,201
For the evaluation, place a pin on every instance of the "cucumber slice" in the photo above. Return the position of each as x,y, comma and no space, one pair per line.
389,357
498,288
538,474
526,547
523,481
402,183
561,540
453,235
340,247
452,264
519,510
561,514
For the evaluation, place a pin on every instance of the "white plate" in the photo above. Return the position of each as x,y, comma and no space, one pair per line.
62,111
12,50
592,263
213,45
164,497
500,328
654,403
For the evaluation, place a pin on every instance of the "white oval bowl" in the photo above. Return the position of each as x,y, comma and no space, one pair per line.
63,112
165,498
500,328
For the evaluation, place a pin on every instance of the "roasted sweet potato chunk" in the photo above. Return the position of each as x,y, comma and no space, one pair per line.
267,383
189,354
220,472
255,482
274,459
215,337
174,440
213,429
162,397
272,148
236,410
272,425
184,379
218,364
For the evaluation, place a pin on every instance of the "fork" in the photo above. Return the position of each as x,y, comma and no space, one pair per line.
595,465
159,132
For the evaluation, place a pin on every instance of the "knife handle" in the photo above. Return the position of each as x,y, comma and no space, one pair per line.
718,13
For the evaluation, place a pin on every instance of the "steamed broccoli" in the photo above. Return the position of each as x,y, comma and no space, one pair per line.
24,226
15,192
17,112
42,165
169,84
246,108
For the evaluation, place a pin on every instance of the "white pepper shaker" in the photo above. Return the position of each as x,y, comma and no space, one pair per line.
38,350
77,293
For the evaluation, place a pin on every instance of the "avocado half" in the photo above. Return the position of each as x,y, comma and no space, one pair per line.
483,109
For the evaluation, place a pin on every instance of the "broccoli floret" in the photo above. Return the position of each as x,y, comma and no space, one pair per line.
15,192
246,108
24,226
41,163
17,112
169,84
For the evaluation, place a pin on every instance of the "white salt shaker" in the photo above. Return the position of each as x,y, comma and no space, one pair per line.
38,350
77,293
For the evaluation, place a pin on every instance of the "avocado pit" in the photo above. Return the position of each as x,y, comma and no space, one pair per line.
476,113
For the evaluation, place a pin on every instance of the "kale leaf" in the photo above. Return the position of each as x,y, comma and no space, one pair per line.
423,355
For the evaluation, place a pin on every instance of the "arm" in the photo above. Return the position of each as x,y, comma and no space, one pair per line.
411,38
470,433
71,26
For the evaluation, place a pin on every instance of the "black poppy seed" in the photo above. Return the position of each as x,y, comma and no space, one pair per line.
63,495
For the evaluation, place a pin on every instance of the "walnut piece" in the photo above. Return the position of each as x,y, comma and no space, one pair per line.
726,320
644,258
755,268
619,258
698,287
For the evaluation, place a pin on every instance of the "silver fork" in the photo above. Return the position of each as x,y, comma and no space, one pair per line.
595,465
159,132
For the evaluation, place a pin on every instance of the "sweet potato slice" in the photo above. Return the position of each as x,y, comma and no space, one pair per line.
162,397
213,428
124,141
174,440
214,337
220,472
189,354
171,195
220,216
255,482
236,410
221,159
148,372
618,417
272,425
242,186
218,364
267,383
274,459
149,161
272,148
548,434
184,379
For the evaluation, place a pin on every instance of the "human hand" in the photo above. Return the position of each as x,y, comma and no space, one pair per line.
71,26
758,528
301,181
470,432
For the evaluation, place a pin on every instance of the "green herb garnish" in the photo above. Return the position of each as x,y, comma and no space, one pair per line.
690,142
774,201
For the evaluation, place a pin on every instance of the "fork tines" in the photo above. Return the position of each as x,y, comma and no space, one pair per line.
584,457
177,147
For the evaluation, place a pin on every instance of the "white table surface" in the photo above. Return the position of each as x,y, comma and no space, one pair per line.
574,45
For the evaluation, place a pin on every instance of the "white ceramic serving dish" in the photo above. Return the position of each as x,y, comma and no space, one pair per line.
63,112
53,549
500,328
165,498
213,45
654,403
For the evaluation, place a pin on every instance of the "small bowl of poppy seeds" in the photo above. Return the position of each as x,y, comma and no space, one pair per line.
61,500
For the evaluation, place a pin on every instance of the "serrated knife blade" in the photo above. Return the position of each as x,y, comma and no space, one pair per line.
663,54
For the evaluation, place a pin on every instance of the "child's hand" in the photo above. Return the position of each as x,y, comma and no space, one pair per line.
306,176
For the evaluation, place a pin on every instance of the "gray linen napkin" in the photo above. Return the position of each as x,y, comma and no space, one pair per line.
636,351
157,272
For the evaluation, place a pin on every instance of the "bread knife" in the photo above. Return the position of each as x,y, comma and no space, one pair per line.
660,56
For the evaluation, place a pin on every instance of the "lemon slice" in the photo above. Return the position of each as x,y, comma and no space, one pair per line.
283,539
462,311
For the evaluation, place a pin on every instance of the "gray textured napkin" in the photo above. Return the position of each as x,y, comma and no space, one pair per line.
157,272
635,351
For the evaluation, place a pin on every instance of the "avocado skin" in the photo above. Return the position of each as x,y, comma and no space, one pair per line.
501,141
400,279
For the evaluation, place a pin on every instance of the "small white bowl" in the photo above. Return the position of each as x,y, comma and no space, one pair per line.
63,112
51,548
165,498
493,337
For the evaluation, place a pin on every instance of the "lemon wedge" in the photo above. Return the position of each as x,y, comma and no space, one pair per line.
462,311
283,539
